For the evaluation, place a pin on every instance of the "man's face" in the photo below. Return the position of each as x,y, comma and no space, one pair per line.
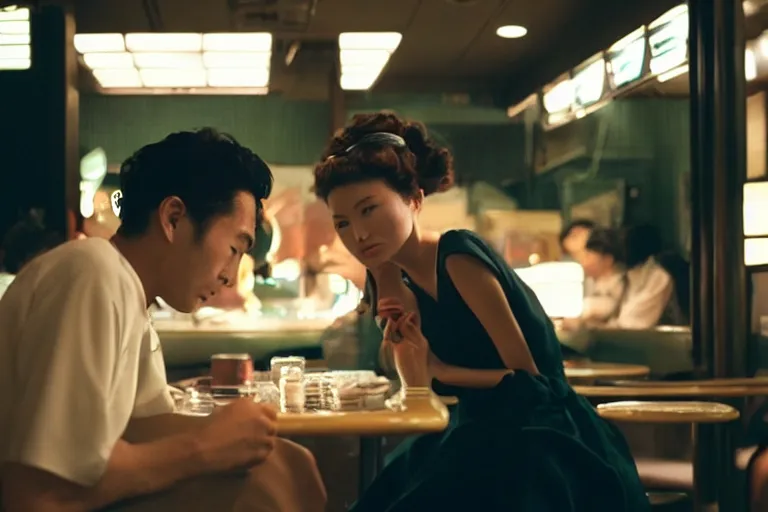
199,266
574,244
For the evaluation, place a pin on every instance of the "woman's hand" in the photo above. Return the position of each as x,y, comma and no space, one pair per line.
409,347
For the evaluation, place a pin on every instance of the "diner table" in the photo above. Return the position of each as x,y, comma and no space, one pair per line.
713,463
699,415
588,371
420,412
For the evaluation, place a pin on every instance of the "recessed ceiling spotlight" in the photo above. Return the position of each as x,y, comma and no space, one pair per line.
511,31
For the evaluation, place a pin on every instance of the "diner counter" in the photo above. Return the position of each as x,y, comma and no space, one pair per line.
664,350
187,345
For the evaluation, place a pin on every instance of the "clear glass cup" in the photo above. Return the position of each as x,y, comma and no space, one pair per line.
321,392
276,365
292,397
264,392
197,403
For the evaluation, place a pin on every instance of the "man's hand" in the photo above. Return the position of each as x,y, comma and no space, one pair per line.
239,435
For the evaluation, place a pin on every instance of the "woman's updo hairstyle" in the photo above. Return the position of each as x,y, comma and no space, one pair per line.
383,146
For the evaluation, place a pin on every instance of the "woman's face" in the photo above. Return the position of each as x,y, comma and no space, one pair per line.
596,264
372,220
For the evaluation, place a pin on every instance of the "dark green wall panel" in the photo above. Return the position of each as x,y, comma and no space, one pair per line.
282,132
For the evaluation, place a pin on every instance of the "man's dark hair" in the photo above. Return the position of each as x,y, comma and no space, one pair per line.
25,240
642,242
577,223
607,242
204,168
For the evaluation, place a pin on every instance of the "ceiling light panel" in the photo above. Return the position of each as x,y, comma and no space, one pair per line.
173,78
370,41
363,56
15,39
238,42
92,43
237,60
238,77
122,60
158,42
179,60
168,60
118,78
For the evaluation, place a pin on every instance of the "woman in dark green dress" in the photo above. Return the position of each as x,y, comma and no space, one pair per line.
520,438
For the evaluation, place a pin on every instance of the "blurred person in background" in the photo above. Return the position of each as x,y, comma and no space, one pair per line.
23,242
654,294
605,280
573,238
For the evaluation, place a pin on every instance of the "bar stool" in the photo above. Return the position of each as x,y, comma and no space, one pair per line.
710,476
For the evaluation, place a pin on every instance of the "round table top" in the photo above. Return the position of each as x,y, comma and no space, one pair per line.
739,381
590,370
668,412
661,390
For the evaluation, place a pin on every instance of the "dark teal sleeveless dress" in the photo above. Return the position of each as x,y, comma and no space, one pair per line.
528,445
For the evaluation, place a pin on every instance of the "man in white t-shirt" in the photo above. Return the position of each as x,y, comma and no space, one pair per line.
80,363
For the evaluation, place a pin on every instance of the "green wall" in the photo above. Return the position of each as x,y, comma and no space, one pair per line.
282,132
485,143
646,142
646,145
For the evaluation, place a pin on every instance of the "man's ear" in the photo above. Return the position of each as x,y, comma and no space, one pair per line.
170,212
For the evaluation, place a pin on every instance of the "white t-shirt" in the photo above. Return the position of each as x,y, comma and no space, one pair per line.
78,359
649,294
5,281
603,297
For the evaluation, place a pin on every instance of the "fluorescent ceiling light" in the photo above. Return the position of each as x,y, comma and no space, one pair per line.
238,42
14,13
364,57
370,41
174,77
238,77
15,49
90,43
627,40
15,64
14,27
168,60
123,78
178,61
15,52
680,10
673,73
560,97
511,31
164,42
123,60
357,82
237,59
11,39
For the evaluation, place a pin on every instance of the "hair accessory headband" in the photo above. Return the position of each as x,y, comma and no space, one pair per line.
378,138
